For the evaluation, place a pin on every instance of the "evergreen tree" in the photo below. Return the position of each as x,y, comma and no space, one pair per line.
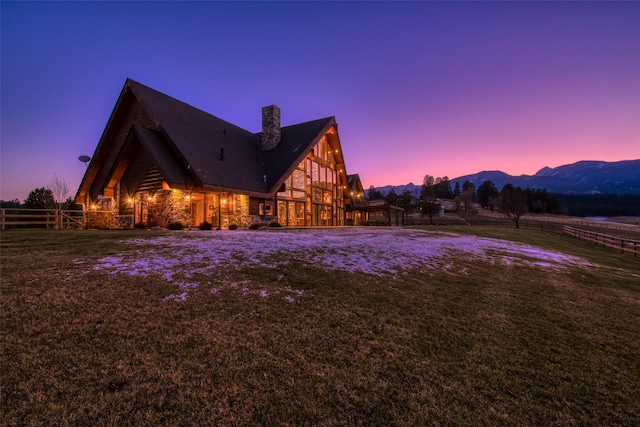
406,201
39,198
456,191
540,201
428,198
392,198
487,195
15,203
374,194
443,188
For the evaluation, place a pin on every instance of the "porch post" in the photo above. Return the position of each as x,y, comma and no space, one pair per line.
219,212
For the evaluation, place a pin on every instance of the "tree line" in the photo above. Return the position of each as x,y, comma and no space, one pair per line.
510,200
54,196
40,198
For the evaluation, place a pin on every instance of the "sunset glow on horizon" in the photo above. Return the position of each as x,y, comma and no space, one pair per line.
438,88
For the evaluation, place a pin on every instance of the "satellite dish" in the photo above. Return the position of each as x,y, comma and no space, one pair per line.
84,159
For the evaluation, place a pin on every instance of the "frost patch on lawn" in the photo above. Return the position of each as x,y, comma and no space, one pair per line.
375,251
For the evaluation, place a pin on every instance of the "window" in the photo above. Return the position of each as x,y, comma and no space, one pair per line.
298,179
311,194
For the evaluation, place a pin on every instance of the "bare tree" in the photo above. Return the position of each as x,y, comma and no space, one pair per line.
53,197
60,199
513,203
60,192
468,195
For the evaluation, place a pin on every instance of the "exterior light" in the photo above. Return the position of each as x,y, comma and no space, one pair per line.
129,200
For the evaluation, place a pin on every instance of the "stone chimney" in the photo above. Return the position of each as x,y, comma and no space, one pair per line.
271,134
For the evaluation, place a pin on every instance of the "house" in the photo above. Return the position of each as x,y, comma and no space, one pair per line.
357,208
161,160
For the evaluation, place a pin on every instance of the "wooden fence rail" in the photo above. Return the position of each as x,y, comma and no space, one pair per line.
481,220
623,245
37,218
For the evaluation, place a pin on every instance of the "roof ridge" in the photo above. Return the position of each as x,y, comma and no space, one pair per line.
173,99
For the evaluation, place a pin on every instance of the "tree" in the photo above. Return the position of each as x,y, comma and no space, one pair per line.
443,188
39,198
468,195
71,204
428,199
540,201
406,200
54,197
15,203
457,202
60,192
373,194
513,203
487,195
456,190
392,198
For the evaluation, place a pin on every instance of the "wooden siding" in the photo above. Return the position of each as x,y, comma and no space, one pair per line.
131,112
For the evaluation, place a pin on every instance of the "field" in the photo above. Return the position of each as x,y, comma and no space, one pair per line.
355,326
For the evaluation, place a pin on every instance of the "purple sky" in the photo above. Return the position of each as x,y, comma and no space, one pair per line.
438,88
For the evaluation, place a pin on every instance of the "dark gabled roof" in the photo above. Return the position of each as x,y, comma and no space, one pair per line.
296,142
194,148
166,161
222,154
352,180
199,137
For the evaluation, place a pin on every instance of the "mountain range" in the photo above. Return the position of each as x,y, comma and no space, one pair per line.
584,177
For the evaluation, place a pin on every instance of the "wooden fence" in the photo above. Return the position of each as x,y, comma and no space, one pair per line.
619,239
485,220
45,218
621,244
41,218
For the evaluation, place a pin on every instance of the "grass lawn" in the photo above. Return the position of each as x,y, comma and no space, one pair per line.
372,326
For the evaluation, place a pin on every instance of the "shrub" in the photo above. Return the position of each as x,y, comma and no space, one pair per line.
175,226
275,224
233,227
205,226
140,226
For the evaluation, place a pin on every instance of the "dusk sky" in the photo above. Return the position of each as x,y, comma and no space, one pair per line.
438,88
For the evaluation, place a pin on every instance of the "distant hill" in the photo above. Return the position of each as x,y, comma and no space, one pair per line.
413,189
584,177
